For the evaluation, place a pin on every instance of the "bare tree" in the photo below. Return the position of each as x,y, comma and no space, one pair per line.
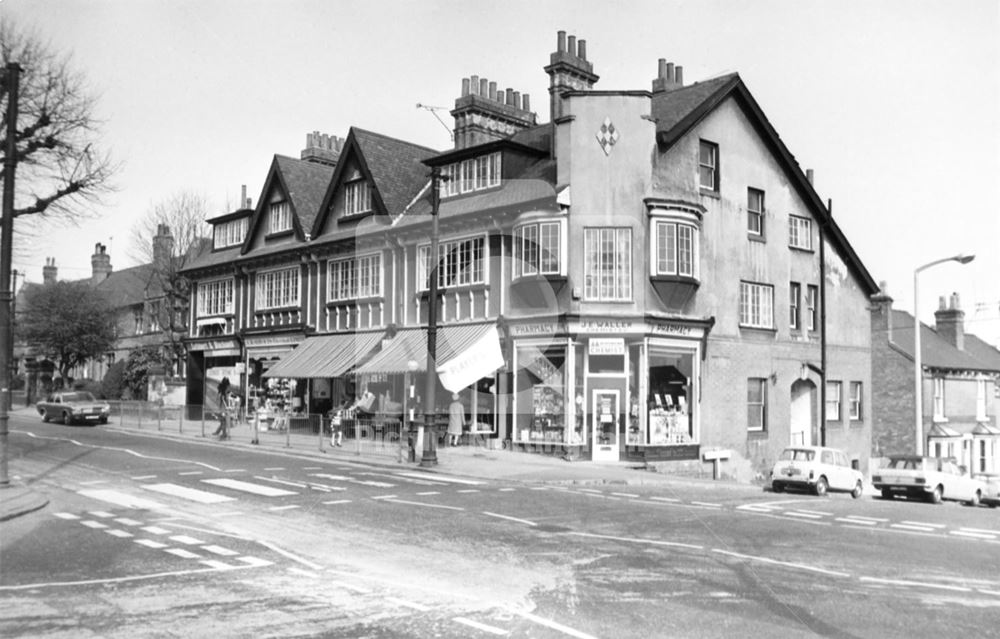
60,170
168,237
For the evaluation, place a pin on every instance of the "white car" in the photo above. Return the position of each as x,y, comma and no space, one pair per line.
932,478
816,468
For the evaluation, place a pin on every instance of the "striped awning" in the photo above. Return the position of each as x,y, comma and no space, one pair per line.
410,345
326,355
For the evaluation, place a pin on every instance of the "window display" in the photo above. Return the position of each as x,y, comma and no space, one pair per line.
542,402
668,407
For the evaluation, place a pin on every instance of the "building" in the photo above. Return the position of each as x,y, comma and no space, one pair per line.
961,378
650,264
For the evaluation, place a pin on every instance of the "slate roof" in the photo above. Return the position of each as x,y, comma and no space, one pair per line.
305,183
937,352
130,286
672,109
396,167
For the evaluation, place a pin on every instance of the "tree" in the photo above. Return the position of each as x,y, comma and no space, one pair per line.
68,322
138,366
60,169
168,237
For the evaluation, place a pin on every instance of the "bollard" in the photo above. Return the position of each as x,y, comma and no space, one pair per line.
203,420
321,449
180,420
256,428
140,417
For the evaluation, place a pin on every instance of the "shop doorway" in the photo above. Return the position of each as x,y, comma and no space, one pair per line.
605,421
801,413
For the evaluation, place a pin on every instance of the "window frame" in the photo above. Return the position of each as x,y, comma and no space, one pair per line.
938,398
261,302
713,168
981,402
224,236
757,214
357,197
221,302
279,211
794,306
423,266
368,265
472,174
834,398
521,248
596,277
799,227
856,402
812,306
663,256
747,306
759,407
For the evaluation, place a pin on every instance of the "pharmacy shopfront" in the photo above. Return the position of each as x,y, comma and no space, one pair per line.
607,389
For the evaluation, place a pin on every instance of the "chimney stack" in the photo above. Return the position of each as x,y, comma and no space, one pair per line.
949,321
49,271
163,247
881,309
484,113
100,264
321,149
668,77
568,70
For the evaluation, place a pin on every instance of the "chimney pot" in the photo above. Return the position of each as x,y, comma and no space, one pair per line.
493,90
561,41
525,103
571,46
581,49
954,301
517,99
474,84
942,303
679,75
662,69
509,97
809,175
465,87
670,72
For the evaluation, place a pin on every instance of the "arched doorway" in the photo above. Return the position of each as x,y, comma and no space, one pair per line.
801,413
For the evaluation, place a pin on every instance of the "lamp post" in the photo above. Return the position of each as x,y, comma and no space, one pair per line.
429,456
918,375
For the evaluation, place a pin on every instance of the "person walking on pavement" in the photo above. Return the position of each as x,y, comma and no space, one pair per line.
337,424
456,419
222,432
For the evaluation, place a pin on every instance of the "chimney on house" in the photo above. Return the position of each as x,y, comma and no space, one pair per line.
881,309
668,77
568,70
244,200
100,264
163,246
949,321
483,113
49,271
321,149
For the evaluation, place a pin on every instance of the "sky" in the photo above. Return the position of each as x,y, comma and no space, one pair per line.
895,105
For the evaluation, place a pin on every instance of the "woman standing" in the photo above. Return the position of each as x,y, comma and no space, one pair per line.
456,420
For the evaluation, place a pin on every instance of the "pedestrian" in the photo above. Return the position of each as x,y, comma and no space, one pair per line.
222,432
456,419
337,424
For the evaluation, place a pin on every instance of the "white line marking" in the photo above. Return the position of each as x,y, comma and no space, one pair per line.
507,490
149,543
255,561
653,542
429,492
101,514
247,487
66,516
156,530
756,509
989,592
873,520
589,490
480,626
272,468
515,519
706,503
218,565
848,520
289,507
280,481
408,604
322,489
911,527
191,494
566,630
312,468
376,484
192,472
795,513
670,500
985,531
336,501
184,539
921,523
235,470
92,524
467,490
219,550
815,512
118,533
180,552
973,534
417,503
95,481
384,497
293,557
142,477
832,573
629,495
122,499
125,521
921,584
113,580
444,478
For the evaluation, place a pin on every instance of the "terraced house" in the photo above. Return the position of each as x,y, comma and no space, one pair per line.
648,274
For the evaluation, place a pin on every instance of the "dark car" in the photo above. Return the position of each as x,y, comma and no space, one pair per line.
74,406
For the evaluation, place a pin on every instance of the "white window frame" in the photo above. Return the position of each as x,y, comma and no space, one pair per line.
278,288
756,305
216,297
760,383
800,232
229,233
856,402
452,252
543,244
834,392
607,281
357,197
755,213
981,399
472,174
812,304
674,254
355,277
712,166
279,217
938,401
794,305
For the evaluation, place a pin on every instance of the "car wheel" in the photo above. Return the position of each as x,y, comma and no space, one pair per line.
975,499
858,489
45,416
886,493
778,487
103,420
821,486
936,495
67,419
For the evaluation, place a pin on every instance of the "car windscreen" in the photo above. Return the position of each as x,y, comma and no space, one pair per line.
77,397
906,464
797,454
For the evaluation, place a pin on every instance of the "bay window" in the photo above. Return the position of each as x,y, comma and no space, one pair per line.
538,249
675,249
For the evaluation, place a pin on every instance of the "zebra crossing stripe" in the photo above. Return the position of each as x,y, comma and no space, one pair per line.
247,487
149,543
184,539
180,552
192,494
218,565
66,516
219,550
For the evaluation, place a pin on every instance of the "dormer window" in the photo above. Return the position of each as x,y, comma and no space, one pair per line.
474,174
280,218
229,233
357,198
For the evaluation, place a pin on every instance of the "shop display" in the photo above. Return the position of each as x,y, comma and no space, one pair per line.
548,415
668,420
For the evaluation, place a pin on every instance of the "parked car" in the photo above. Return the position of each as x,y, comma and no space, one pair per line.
991,492
74,406
931,478
817,469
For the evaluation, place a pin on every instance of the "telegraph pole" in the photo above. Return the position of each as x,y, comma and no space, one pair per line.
10,82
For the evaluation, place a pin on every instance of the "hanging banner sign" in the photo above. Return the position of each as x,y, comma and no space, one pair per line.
482,358
606,346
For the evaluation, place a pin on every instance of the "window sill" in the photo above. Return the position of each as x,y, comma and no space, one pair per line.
276,309
755,237
715,195
758,329
279,235
801,249
757,434
355,300
354,217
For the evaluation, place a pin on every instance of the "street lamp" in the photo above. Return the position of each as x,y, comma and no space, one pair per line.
429,457
918,367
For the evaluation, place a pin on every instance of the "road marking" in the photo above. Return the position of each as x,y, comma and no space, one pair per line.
467,490
832,573
322,489
417,503
985,531
180,552
191,494
376,484
384,497
670,500
293,557
868,519
566,630
589,490
125,521
312,468
113,580
848,520
408,604
912,527
480,626
93,482
184,539
429,492
515,519
142,477
192,472
919,584
706,504
336,501
156,530
247,487
989,592
92,524
507,490
921,523
539,488
653,542
235,470
395,476
795,513
975,535
219,550
288,507
444,478
255,561
122,499
815,512
114,532
275,468
66,516
101,514
281,481
218,565
756,509
149,543
326,487
629,495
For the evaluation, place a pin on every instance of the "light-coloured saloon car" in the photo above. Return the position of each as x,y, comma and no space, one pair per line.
75,406
817,469
931,478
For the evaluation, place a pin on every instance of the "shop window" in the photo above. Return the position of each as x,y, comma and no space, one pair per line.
668,403
541,408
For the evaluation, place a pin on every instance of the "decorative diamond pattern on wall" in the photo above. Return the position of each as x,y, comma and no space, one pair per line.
607,136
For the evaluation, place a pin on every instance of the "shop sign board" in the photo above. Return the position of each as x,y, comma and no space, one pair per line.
272,340
631,327
606,346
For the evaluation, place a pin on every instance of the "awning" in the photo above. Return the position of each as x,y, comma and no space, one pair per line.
462,351
326,355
